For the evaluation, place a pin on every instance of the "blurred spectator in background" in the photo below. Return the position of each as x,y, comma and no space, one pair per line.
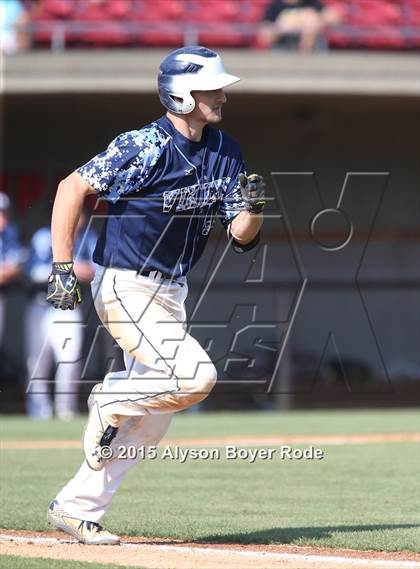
11,257
55,336
295,25
14,19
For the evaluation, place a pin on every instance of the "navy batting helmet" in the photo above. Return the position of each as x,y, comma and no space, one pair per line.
191,68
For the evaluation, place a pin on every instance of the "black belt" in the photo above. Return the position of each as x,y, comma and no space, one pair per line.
157,275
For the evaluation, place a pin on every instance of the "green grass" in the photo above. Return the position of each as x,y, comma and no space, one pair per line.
358,497
225,424
17,562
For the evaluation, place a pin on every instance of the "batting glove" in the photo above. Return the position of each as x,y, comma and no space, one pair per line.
63,287
253,190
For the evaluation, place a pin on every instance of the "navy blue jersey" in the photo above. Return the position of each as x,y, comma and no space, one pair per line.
164,193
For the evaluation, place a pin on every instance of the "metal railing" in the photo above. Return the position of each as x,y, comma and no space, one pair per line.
61,31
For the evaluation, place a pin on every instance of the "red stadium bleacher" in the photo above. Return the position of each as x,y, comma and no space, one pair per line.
377,24
159,23
120,9
55,8
369,24
110,17
253,10
221,23
372,24
160,10
46,13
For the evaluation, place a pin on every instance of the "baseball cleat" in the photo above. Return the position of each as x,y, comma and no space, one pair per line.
99,434
84,531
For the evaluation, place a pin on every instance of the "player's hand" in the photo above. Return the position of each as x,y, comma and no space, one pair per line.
63,287
253,191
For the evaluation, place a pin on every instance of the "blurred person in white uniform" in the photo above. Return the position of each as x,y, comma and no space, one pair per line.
52,336
12,256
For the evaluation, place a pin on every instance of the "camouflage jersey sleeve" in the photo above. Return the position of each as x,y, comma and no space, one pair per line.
233,202
124,166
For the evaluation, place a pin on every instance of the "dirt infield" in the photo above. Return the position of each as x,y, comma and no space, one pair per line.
165,554
238,440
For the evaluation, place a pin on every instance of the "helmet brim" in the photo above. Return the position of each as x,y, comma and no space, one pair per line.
218,82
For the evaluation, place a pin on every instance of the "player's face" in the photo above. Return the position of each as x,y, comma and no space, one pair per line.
208,105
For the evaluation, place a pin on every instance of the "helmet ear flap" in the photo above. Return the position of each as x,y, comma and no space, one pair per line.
183,107
188,104
177,103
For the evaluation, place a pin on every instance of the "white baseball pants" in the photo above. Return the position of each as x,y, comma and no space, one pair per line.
167,371
89,494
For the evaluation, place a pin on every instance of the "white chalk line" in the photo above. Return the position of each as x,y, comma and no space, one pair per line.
381,563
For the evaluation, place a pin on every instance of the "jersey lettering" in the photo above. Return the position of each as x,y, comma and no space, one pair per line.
197,195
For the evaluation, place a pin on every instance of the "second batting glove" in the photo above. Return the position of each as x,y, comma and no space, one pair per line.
253,191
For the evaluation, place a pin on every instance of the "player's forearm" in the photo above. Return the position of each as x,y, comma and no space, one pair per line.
245,227
68,206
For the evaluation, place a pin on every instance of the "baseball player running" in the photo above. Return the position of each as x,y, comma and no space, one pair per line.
165,184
